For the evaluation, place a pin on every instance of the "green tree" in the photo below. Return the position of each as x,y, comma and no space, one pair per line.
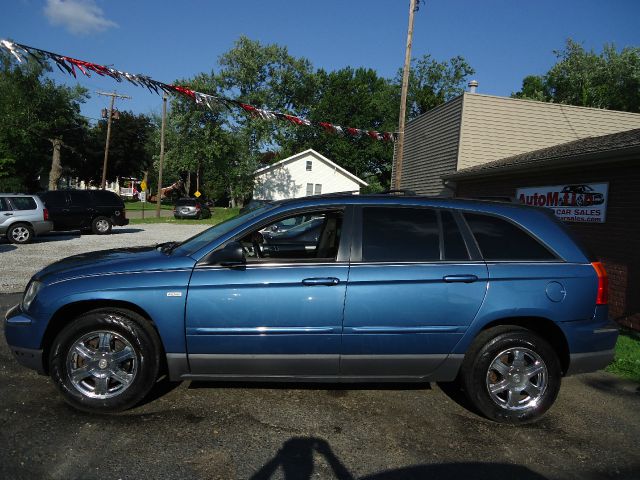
433,82
609,79
357,98
36,114
130,149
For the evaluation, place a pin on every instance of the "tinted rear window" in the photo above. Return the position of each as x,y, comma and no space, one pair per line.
23,203
186,202
104,197
499,239
400,235
54,199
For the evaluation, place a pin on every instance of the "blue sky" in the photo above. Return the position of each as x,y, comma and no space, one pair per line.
504,40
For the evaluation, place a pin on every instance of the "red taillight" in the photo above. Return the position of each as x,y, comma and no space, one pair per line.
198,207
45,214
603,284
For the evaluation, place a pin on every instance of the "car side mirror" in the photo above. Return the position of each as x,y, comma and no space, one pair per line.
231,256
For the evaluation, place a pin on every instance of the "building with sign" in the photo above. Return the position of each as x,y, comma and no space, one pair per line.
593,185
475,129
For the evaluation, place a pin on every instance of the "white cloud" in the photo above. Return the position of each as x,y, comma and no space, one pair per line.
80,17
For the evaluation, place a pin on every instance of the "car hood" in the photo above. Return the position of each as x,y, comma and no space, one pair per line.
118,260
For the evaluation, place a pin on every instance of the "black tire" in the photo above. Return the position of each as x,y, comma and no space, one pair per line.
20,233
101,226
141,368
520,397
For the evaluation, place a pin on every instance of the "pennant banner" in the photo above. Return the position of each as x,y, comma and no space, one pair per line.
69,65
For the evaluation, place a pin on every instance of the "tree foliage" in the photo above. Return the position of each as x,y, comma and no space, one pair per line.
34,111
609,79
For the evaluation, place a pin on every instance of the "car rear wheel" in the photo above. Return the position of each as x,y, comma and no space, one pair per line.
101,225
511,375
105,361
20,233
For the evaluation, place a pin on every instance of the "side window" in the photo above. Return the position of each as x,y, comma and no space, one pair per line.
499,239
105,198
54,199
79,198
4,206
454,246
309,189
300,237
318,189
23,203
400,235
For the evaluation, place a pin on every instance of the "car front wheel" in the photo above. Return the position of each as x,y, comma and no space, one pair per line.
105,361
511,375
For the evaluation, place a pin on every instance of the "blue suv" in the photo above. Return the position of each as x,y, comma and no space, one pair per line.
495,296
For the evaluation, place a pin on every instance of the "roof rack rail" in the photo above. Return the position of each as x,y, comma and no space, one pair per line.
403,191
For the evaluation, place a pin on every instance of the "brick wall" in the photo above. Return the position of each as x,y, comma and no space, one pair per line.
616,242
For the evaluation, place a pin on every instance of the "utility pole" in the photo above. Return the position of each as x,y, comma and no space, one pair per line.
164,121
403,98
113,96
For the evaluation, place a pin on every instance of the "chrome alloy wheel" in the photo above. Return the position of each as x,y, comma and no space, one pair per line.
20,234
101,364
517,379
102,225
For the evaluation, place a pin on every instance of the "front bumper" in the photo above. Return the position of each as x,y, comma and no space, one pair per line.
16,325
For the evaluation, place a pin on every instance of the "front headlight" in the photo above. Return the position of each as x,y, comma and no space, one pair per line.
33,289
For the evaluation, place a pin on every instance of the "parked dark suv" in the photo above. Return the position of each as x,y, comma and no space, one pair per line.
86,210
495,296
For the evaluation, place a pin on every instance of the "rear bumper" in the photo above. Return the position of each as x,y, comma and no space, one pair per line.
592,342
119,220
44,226
589,362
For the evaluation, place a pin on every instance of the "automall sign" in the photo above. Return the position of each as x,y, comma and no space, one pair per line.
570,203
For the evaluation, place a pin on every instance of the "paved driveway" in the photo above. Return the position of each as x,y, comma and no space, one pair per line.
227,431
19,262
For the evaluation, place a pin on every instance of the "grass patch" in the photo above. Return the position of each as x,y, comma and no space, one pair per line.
148,206
218,215
627,360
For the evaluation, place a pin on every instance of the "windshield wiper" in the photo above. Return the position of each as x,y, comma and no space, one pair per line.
167,247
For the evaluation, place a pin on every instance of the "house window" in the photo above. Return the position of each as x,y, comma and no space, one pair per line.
318,189
309,189
309,165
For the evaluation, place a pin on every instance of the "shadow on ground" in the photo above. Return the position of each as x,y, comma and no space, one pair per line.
296,460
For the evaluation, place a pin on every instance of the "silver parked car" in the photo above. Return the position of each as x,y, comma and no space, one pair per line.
22,217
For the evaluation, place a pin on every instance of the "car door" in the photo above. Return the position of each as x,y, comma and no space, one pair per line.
80,209
275,316
414,287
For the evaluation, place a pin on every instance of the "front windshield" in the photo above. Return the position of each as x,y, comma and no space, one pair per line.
202,239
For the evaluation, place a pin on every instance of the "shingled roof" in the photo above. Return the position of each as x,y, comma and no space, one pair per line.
592,149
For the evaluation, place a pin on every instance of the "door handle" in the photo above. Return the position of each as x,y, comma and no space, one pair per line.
460,278
8,214
328,281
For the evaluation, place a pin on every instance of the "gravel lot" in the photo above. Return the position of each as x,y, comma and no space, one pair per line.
19,262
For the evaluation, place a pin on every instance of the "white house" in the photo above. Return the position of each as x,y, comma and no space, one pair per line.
306,173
